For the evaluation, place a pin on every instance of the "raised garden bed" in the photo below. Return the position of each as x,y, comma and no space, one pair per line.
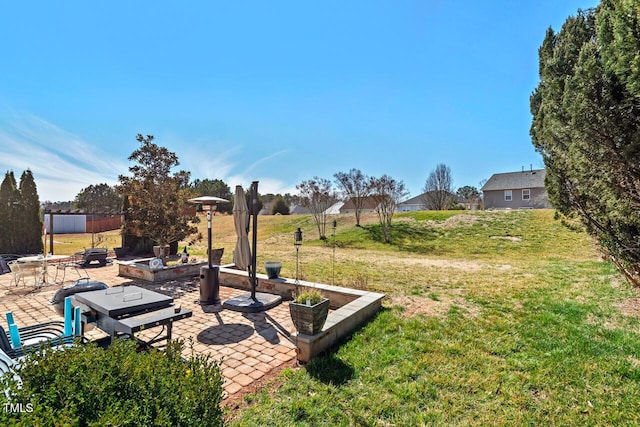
351,307
139,269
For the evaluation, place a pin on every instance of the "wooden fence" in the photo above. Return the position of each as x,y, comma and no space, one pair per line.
103,224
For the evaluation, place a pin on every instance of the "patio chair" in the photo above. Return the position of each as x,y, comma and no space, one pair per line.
29,338
22,270
7,365
4,267
6,362
72,265
5,344
10,257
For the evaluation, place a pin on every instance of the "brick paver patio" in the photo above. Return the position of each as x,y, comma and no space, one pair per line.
251,345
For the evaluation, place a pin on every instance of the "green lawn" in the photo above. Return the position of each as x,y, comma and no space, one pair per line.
492,318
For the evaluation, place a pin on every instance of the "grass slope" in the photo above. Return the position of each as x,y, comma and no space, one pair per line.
493,318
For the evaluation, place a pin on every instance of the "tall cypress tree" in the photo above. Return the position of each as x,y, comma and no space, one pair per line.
9,205
30,216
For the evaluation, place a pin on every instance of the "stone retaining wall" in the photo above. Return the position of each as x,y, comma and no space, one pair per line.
352,307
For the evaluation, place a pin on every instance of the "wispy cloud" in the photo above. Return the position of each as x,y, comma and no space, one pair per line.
226,161
255,164
210,160
62,163
257,171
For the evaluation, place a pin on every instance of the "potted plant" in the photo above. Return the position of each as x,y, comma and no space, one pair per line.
273,269
121,252
309,312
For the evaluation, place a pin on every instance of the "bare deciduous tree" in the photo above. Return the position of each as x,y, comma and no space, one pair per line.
355,186
387,193
317,195
438,189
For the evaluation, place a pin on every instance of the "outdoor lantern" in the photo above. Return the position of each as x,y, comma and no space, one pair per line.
297,235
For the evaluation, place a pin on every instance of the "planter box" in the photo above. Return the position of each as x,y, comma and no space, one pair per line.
309,319
139,269
352,307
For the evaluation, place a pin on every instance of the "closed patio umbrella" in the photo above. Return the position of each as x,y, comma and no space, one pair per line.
242,252
245,260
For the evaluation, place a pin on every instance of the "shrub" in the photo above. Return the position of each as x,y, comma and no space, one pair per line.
314,297
86,385
280,207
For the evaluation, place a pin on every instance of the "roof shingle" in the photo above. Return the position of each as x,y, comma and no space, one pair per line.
516,180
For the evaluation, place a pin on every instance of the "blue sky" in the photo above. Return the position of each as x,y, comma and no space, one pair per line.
272,91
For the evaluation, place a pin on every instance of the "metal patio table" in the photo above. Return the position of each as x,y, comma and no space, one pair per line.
129,309
45,261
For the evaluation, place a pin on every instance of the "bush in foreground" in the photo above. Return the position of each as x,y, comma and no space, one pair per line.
86,385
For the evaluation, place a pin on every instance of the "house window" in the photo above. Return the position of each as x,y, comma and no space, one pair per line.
507,195
526,194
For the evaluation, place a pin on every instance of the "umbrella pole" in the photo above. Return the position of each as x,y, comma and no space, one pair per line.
209,239
254,232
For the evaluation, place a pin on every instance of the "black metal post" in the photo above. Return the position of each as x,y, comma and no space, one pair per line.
333,258
209,237
297,258
297,241
254,232
51,232
92,234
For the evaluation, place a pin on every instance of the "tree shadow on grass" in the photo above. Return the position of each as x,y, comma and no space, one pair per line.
407,237
330,370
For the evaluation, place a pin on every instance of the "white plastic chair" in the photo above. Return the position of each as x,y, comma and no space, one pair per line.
23,270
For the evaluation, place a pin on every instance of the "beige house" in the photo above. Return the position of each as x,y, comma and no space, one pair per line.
411,205
368,205
516,190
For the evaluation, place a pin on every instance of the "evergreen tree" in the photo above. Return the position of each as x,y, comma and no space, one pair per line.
30,218
9,201
98,198
469,195
216,188
586,125
280,206
158,199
